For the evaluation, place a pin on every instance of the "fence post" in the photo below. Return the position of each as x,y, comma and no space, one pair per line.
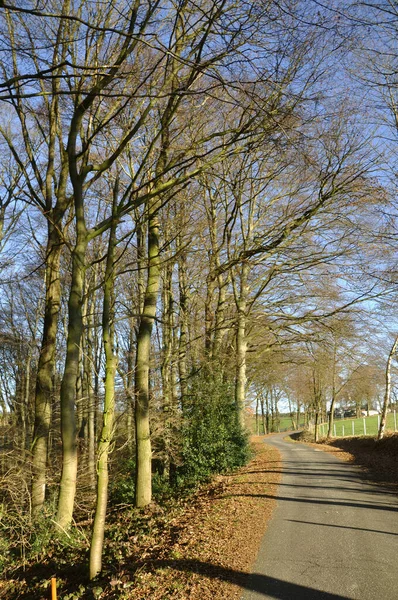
378,422
53,588
343,431
364,426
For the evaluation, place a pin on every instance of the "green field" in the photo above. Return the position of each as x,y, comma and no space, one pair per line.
344,427
348,427
285,423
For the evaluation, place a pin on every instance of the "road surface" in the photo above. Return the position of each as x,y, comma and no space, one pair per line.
333,535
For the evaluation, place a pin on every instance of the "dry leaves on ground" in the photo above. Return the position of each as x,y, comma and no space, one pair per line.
218,537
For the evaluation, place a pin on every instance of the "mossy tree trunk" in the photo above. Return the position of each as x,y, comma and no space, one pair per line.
45,370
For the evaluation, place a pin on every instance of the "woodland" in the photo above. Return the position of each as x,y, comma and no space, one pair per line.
198,221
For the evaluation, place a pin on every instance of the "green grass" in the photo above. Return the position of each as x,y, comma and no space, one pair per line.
344,427
285,423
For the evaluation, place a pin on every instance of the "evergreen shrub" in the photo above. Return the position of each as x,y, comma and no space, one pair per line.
212,440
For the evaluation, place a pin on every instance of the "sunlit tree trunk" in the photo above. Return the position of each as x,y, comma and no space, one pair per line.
97,539
143,490
69,380
387,393
241,346
333,402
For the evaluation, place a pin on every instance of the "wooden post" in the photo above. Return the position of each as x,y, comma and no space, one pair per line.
53,588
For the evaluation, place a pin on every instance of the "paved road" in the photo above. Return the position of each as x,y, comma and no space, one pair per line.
333,535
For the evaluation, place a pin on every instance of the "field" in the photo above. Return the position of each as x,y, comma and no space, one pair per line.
343,427
362,426
285,423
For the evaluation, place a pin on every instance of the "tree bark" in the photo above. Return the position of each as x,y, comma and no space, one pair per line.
108,334
143,489
45,371
69,380
387,392
333,402
241,347
183,327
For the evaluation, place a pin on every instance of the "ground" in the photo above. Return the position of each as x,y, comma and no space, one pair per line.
201,548
212,545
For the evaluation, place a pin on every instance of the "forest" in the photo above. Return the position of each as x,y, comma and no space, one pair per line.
198,222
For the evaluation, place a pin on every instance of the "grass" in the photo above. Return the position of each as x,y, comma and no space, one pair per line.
285,423
349,427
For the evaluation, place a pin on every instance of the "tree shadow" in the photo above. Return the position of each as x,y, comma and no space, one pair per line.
261,585
343,527
381,492
257,583
351,504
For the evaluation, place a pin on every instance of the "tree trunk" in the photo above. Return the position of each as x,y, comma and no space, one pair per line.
219,329
263,416
45,371
168,367
97,539
69,380
277,419
317,424
332,404
209,314
143,490
183,328
241,347
88,363
387,392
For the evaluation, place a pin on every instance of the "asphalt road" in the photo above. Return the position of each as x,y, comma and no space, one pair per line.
333,535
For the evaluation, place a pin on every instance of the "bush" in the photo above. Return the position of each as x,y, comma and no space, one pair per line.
122,483
212,438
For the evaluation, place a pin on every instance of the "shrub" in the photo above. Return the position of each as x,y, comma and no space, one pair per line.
212,438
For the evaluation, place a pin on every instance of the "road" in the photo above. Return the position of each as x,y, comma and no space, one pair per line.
333,535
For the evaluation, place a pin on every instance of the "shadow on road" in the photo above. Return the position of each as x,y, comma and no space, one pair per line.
372,491
372,506
342,527
261,584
